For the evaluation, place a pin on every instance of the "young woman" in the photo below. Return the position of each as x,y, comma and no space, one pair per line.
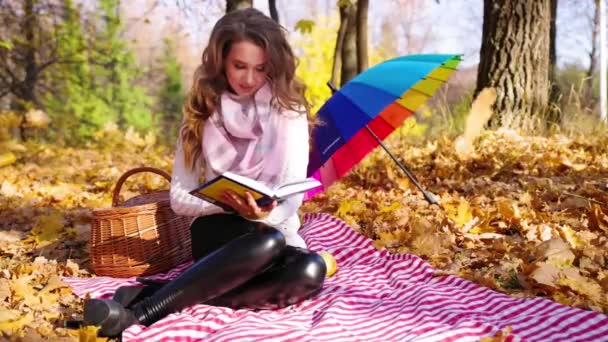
246,113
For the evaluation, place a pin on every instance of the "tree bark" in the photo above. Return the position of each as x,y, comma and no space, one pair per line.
554,115
348,12
31,67
514,58
233,5
337,65
28,87
362,59
274,13
552,46
593,52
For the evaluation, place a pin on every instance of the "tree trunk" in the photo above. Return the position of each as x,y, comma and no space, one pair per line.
31,67
362,59
232,5
554,115
338,50
514,58
593,52
274,14
603,64
28,87
348,12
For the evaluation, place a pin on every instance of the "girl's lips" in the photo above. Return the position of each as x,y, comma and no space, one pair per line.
246,88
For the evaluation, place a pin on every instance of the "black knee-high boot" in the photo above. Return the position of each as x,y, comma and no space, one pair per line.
296,275
215,274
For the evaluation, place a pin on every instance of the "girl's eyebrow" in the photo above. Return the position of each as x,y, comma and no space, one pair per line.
241,62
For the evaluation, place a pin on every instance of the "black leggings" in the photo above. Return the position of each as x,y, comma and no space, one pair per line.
291,275
237,264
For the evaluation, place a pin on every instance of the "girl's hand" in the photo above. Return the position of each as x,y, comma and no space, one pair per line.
247,207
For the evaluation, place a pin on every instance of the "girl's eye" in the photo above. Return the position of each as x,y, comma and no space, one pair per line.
260,69
239,66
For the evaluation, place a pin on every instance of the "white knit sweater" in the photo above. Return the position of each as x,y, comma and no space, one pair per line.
284,217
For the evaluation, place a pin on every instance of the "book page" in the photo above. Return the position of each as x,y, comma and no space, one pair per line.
248,182
297,187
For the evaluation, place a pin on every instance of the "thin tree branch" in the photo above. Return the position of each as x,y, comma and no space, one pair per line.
144,15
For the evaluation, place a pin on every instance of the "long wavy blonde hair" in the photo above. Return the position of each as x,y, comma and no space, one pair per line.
210,78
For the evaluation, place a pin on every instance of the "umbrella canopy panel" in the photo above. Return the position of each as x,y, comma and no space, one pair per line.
381,97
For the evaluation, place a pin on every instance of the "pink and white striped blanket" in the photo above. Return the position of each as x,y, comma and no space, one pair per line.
374,296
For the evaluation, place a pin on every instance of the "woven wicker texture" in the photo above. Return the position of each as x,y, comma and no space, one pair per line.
139,237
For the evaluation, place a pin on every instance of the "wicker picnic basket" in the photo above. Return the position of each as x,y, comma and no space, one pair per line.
141,236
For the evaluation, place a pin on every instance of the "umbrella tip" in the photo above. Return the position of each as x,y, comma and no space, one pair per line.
432,199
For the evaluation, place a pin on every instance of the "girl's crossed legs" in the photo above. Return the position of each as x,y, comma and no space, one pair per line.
238,263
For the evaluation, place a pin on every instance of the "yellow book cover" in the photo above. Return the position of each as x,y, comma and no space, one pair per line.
213,190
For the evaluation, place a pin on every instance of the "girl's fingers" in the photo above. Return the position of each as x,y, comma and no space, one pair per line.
233,200
247,206
251,201
239,204
270,206
254,205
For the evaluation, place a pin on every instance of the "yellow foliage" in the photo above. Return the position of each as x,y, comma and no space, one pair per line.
7,158
305,26
571,237
9,315
88,333
424,239
392,238
8,121
349,207
460,214
22,290
584,286
315,51
390,208
508,210
54,283
48,229
411,128
514,217
16,327
555,251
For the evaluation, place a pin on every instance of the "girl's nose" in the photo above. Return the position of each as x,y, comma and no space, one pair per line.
249,78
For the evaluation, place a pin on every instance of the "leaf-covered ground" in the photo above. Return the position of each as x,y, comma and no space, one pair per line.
527,216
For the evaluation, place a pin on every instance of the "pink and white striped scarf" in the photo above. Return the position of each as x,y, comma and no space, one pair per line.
247,137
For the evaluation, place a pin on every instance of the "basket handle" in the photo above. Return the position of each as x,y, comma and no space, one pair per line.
131,172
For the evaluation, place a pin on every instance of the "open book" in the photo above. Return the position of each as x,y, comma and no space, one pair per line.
212,190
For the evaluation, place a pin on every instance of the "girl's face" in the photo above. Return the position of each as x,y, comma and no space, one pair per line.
245,67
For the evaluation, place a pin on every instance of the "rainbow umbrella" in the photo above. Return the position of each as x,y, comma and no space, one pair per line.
368,108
